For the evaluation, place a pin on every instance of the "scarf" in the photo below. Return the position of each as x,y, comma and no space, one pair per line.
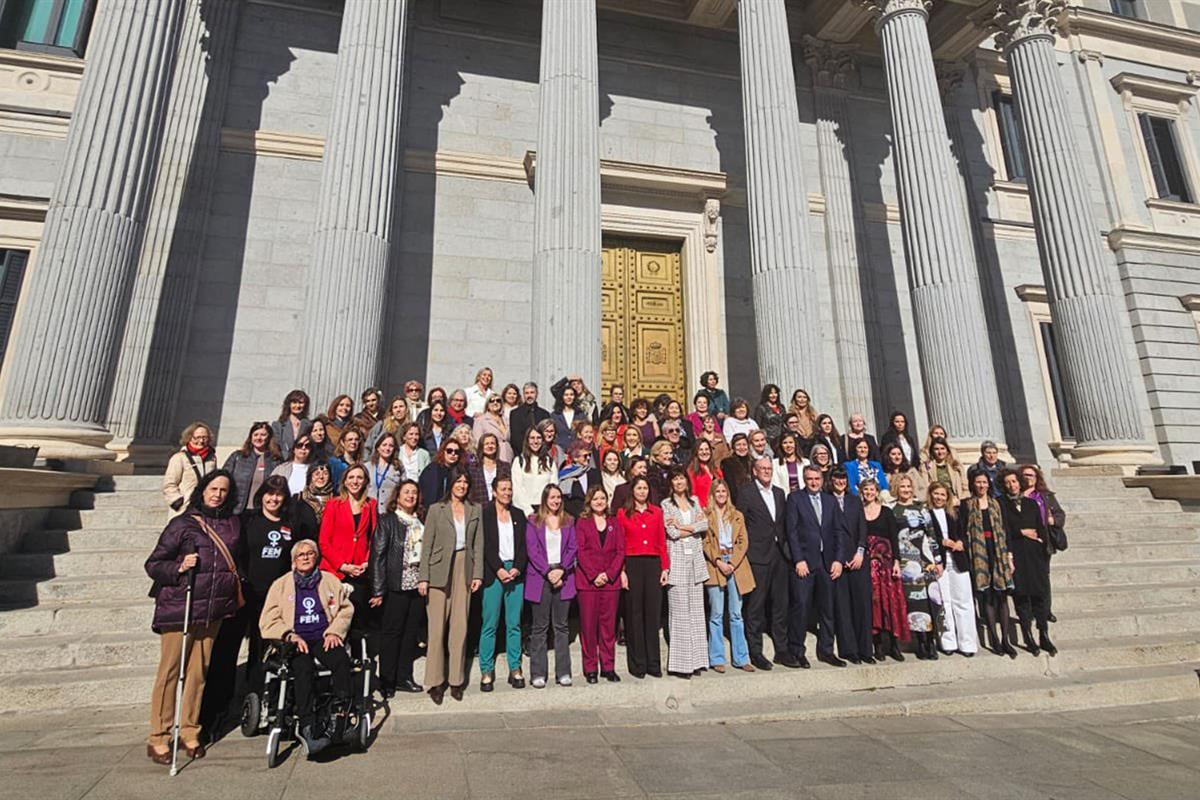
309,581
316,498
995,575
457,416
202,453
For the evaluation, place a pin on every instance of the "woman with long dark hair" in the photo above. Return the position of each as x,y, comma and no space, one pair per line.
505,563
394,566
787,471
702,471
435,480
768,414
533,471
991,562
252,464
486,467
1029,543
647,565
899,434
806,419
292,422
640,418
942,467
318,437
1054,517
684,523
435,427
827,434
341,418
202,537
451,570
959,633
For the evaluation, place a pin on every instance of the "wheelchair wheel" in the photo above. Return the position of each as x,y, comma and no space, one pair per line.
364,731
273,747
251,714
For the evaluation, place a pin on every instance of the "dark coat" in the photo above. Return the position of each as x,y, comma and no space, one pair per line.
242,469
819,542
855,522
850,440
478,493
962,561
215,594
491,542
767,537
432,484
386,564
1031,558
770,422
520,420
281,430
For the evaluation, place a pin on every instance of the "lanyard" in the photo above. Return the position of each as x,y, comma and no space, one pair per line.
380,477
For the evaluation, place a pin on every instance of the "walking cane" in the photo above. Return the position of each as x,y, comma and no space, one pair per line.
187,618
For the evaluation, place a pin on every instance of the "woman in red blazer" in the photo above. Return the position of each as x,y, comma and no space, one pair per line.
647,565
601,557
347,526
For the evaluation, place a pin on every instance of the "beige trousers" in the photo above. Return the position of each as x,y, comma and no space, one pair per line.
162,701
448,607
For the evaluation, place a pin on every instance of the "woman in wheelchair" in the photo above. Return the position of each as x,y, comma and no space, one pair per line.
309,609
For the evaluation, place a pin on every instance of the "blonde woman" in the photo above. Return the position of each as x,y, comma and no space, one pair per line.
194,459
729,578
491,420
942,467
959,630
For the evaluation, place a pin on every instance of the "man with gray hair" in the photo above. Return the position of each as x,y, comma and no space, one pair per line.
989,464
525,416
763,506
816,534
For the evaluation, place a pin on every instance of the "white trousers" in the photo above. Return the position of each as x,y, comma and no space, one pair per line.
958,603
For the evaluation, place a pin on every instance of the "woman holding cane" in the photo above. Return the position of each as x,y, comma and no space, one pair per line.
201,540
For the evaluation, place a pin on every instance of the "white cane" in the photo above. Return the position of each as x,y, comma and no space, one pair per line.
187,618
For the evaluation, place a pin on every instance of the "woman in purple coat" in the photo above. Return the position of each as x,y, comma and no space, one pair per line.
203,537
550,584
598,582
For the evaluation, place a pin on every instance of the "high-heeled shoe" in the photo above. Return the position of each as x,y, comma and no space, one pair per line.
894,652
1008,650
1046,644
487,681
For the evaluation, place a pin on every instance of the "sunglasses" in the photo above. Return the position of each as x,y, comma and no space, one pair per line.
303,446
452,451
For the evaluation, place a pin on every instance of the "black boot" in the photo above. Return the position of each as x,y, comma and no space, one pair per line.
880,652
1044,640
1027,635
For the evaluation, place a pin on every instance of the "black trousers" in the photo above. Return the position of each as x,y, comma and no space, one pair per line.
812,599
365,624
852,611
1032,608
304,670
770,587
220,682
399,627
643,614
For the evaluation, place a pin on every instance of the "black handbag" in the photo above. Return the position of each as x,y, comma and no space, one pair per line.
1058,538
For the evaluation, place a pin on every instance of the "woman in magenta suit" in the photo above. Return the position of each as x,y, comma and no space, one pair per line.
550,584
601,559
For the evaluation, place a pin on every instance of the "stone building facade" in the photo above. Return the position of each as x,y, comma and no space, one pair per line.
983,212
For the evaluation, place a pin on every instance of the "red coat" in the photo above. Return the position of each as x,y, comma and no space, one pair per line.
342,543
645,534
594,558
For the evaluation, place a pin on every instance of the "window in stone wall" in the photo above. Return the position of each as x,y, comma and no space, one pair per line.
1125,8
1012,145
1162,150
12,272
49,26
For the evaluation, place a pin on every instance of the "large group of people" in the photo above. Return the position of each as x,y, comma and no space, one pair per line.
474,520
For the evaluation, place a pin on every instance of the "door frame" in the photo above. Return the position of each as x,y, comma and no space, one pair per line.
703,275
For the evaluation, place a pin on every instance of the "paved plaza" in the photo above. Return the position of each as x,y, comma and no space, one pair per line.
1137,753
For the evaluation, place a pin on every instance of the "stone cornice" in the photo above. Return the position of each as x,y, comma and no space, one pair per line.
273,143
1140,33
1133,239
832,66
27,209
1153,88
649,178
1031,293
1018,20
1191,302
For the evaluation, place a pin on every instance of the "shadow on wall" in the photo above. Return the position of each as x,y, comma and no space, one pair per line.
214,310
891,382
1014,406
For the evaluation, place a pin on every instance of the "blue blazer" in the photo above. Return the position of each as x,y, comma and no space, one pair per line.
817,542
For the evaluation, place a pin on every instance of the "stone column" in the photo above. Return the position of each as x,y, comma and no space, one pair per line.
342,327
566,228
1101,383
786,305
833,70
148,366
952,334
58,374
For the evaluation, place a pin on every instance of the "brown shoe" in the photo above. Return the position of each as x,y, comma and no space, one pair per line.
456,692
194,751
436,694
162,759
719,668
747,668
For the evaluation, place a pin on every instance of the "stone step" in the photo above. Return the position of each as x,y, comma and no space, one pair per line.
126,497
1078,535
1121,504
123,587
80,563
1123,598
122,483
1107,573
117,517
78,618
1091,520
1129,553
1106,622
1108,484
70,651
63,541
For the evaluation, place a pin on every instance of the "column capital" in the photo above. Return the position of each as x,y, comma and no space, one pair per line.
833,66
1018,20
886,9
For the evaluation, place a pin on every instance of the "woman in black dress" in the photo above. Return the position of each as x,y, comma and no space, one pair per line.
1029,543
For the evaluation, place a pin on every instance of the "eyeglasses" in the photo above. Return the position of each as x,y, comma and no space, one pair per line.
303,446
669,431
452,451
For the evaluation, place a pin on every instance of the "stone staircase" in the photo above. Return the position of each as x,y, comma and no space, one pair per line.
74,626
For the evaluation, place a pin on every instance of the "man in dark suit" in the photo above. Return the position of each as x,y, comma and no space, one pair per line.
816,535
852,592
525,416
764,507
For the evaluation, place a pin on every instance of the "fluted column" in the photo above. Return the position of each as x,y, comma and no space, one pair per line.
783,276
833,70
342,327
1101,383
59,371
566,229
152,351
948,314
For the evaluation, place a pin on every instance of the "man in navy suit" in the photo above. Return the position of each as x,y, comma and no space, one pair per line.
816,534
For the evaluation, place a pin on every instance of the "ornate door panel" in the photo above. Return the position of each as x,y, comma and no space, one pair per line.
641,329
